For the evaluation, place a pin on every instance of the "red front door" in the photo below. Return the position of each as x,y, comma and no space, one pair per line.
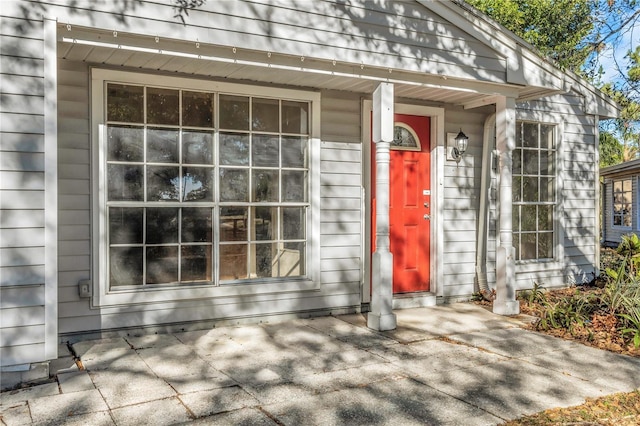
409,203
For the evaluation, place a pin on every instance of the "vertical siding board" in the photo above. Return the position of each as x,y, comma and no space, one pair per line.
51,189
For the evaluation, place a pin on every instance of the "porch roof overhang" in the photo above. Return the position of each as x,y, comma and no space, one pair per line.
109,48
622,169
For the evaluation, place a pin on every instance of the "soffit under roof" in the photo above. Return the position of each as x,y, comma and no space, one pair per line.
254,67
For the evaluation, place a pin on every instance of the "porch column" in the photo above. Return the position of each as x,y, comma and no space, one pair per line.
505,302
381,316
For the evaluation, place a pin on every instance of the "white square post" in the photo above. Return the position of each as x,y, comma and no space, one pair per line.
505,302
381,317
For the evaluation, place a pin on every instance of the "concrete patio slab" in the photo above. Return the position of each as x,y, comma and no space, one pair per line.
515,342
401,402
350,378
455,364
241,417
56,408
214,401
512,388
16,414
75,381
128,388
160,412
591,364
13,397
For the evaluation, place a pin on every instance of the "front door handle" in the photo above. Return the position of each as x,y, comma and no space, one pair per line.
427,217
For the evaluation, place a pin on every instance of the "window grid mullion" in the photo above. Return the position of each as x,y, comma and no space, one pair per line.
276,207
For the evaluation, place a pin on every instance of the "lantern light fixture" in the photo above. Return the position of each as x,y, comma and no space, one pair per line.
458,150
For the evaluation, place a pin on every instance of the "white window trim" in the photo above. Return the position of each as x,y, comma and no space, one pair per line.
101,294
633,205
531,266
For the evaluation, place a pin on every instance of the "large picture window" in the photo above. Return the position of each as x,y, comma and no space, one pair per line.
622,202
534,191
203,187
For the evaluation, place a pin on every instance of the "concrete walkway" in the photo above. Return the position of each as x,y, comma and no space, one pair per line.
457,364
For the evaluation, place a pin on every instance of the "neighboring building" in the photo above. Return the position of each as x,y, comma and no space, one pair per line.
163,175
620,201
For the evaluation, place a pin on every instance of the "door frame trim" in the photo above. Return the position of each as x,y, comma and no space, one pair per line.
437,196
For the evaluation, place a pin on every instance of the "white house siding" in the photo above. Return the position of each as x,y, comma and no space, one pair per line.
461,203
581,234
340,223
411,37
22,184
577,228
74,217
613,234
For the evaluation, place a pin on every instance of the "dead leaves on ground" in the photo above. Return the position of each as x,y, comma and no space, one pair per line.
620,409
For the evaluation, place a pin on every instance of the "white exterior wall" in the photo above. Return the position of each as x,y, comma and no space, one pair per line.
340,224
613,234
461,204
412,38
402,34
28,330
577,234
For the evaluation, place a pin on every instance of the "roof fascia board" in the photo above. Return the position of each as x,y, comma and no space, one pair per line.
510,45
205,51
626,167
482,31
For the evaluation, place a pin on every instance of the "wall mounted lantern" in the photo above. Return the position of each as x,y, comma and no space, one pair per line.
459,148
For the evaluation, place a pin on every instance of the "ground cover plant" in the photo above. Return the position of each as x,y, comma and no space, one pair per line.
605,314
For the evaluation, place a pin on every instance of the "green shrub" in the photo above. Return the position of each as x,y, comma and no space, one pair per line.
535,295
568,312
621,295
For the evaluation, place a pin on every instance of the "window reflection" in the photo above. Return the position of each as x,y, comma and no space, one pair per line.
163,159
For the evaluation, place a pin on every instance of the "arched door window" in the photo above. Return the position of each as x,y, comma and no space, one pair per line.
405,138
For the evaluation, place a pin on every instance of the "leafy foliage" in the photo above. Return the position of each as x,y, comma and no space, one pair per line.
580,35
568,312
608,317
556,28
612,152
535,295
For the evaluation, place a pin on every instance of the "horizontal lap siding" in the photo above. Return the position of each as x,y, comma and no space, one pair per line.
74,183
613,234
461,195
22,233
577,193
411,38
581,235
341,192
340,223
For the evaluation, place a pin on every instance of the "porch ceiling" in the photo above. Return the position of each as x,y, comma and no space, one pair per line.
261,68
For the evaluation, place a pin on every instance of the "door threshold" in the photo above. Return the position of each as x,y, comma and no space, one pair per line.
413,300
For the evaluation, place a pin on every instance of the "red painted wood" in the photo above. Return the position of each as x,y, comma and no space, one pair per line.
410,176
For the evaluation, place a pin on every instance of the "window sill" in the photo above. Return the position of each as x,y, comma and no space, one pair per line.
176,294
